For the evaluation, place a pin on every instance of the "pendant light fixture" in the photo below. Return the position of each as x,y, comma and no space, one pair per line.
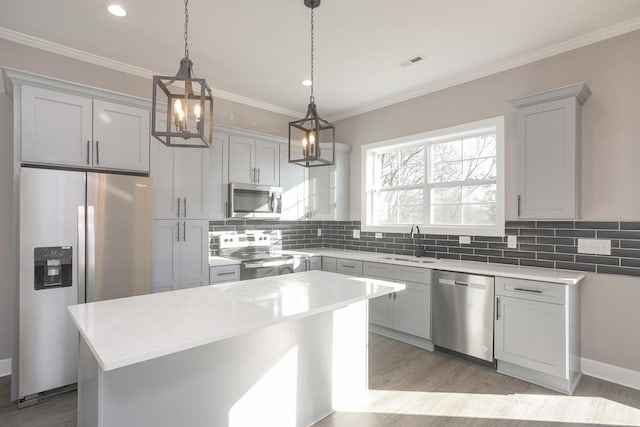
312,140
182,106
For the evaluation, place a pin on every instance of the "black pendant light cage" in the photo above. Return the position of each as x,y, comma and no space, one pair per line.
182,105
312,140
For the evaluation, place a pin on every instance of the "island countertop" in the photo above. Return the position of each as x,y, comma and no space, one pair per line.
125,331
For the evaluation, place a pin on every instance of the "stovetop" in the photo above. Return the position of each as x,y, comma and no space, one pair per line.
244,255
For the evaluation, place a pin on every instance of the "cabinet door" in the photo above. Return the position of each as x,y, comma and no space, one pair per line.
194,253
293,183
339,182
56,128
165,171
381,311
267,163
166,256
412,310
121,137
218,189
546,147
320,200
241,159
531,334
194,174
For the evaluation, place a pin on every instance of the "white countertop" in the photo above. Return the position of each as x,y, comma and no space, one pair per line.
502,270
218,261
125,331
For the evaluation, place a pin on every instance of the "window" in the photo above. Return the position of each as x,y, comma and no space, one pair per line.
449,181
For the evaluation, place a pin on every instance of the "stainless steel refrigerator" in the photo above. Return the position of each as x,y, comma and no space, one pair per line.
84,237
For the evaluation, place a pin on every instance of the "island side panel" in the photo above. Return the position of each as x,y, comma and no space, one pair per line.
88,387
290,374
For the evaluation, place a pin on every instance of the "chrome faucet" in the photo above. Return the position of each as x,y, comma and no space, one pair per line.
419,244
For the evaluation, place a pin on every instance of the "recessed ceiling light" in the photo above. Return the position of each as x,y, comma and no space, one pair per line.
117,10
306,82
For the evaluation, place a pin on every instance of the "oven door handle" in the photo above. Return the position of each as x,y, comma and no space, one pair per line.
260,264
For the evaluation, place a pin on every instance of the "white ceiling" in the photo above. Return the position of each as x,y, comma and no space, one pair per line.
259,50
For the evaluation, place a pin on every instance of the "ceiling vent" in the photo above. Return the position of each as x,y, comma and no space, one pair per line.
411,61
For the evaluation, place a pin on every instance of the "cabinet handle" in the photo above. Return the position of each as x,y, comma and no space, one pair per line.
534,291
498,308
348,266
389,296
394,296
184,231
519,200
185,206
226,209
178,239
226,273
97,152
258,180
178,207
88,144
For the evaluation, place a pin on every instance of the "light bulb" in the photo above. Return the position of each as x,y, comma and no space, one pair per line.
196,111
177,106
304,142
312,138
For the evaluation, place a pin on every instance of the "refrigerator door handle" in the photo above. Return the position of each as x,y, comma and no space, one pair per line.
91,255
81,255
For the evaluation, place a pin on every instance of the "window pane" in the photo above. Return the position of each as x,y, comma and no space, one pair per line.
410,215
479,214
398,207
445,195
479,193
446,172
400,168
479,168
446,214
385,210
446,152
480,146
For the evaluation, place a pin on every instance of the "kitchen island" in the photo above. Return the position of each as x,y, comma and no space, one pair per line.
274,351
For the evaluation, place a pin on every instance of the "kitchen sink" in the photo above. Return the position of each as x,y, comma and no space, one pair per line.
418,261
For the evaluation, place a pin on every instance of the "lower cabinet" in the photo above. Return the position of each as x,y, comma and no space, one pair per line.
329,264
537,332
406,311
224,273
180,254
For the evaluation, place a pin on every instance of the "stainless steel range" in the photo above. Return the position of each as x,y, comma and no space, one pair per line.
259,252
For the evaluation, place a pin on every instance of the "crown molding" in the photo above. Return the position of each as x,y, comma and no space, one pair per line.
80,55
575,43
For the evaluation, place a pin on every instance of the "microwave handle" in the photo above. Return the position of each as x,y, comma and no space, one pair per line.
272,202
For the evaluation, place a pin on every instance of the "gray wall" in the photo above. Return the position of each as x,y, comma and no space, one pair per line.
37,61
610,158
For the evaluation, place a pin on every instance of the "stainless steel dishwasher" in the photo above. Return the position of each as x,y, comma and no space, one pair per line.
462,313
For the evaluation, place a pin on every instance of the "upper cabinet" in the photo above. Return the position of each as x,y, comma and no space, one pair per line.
548,149
61,128
328,188
254,161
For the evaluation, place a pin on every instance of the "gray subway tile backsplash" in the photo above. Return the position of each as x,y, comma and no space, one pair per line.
547,244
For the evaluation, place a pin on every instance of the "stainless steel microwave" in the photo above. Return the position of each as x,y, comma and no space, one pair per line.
254,201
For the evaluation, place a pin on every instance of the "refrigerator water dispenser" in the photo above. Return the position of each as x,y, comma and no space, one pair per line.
52,267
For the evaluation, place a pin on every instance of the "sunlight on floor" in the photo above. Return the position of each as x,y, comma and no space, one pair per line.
527,407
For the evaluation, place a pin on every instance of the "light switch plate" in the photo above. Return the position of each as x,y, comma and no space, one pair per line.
319,232
587,246
603,247
378,235
512,242
356,234
465,240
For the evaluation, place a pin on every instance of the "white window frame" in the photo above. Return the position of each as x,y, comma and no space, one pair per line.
368,152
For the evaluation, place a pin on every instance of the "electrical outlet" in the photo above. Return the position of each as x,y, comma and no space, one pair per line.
465,240
356,234
603,247
319,232
587,246
512,242
378,235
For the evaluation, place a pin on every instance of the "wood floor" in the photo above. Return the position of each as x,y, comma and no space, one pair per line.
412,387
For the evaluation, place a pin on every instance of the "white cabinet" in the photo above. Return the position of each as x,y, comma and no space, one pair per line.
293,180
548,153
63,129
349,266
328,189
218,191
181,177
180,256
224,273
407,311
329,264
254,161
537,332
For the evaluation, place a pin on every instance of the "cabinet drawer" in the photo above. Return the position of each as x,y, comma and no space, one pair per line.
378,270
329,264
224,273
554,293
412,274
346,266
315,263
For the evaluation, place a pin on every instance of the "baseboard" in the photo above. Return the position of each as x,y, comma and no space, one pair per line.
611,373
5,367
